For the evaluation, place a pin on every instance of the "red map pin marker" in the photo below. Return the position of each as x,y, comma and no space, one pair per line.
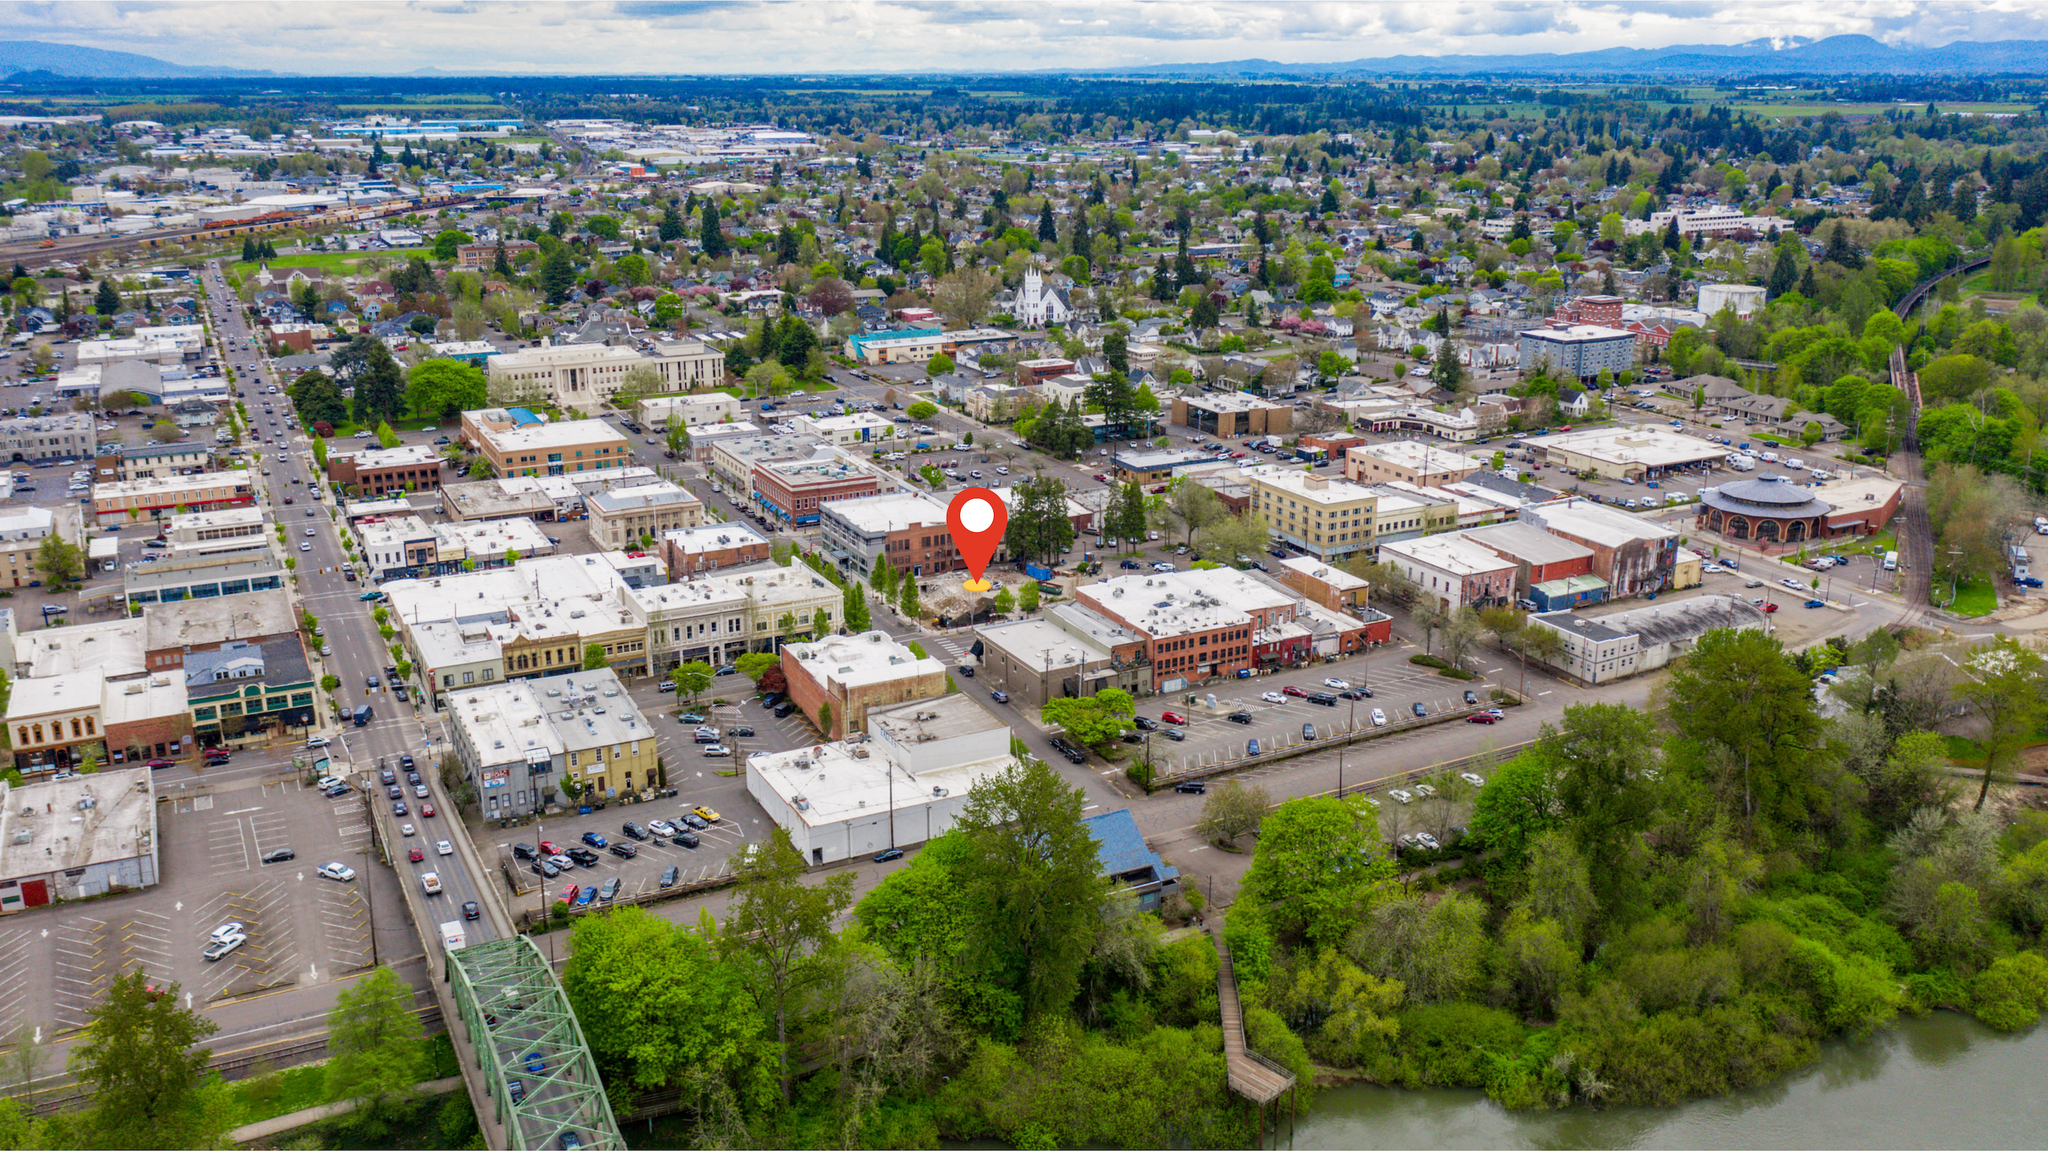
977,519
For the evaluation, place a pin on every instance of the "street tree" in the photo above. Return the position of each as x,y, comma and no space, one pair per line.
1038,524
778,933
1461,631
593,657
1097,720
1027,599
140,1057
855,607
755,664
692,678
375,1050
1192,508
1231,811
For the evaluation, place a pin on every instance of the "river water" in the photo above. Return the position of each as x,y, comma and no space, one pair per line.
1943,1080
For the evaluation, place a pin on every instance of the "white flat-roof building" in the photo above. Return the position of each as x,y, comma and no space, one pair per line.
1453,571
842,431
1639,453
907,784
688,410
71,839
620,517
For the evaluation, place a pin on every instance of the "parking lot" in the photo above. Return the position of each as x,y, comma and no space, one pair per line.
715,783
301,929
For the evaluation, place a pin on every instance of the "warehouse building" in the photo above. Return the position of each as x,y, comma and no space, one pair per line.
74,838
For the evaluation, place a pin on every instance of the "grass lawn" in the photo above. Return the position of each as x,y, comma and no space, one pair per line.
281,1093
1974,599
328,261
1963,752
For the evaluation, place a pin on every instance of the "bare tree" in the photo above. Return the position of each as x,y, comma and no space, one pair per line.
1233,810
1462,629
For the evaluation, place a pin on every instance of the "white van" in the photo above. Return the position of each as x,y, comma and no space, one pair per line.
1822,474
1769,457
1891,561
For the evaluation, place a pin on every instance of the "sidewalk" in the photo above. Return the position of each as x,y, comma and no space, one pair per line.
278,1125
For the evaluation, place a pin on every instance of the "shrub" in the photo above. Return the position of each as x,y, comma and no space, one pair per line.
2012,992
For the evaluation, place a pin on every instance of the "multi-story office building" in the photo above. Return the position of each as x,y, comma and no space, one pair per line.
516,443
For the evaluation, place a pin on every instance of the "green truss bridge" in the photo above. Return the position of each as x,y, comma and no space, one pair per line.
521,1045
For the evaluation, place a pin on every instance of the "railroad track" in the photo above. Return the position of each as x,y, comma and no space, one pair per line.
271,1054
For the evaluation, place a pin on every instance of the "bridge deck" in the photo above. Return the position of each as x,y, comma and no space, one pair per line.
1251,1075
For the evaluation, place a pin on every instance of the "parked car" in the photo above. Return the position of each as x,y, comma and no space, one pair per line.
1419,710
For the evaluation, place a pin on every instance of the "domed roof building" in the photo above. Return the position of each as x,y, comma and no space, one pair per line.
1766,509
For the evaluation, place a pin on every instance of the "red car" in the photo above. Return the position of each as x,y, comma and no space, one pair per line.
1173,717
156,764
570,893
215,755
1290,689
426,811
1769,608
547,848
1480,717
415,855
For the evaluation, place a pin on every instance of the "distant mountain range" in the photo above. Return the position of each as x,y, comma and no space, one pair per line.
1834,56
27,56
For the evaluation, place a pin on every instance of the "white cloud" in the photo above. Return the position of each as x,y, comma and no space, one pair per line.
726,36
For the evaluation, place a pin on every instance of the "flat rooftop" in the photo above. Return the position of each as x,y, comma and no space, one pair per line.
62,824
1528,543
856,660
1416,456
1324,571
111,648
1036,643
714,537
1577,334
892,511
566,433
404,456
1227,402
1449,553
827,784
1603,525
1650,447
197,622
1308,486
923,720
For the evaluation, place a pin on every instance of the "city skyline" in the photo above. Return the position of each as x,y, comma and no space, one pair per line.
756,36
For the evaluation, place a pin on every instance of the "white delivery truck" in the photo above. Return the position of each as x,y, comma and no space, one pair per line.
1891,561
1742,463
451,936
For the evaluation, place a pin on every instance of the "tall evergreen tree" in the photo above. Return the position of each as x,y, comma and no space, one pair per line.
1184,272
711,237
1047,232
672,226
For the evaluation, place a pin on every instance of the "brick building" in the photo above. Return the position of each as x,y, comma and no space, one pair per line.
795,491
710,547
1230,414
518,443
908,527
853,673
378,471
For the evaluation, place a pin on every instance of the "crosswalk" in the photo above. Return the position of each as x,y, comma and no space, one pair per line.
954,646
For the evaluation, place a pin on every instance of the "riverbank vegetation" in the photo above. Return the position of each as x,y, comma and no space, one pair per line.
1667,910
992,989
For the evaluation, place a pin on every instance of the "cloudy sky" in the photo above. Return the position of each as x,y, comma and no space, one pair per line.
707,36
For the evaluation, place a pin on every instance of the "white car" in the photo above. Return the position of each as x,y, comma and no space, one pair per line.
1424,790
316,741
1711,568
305,547
339,873
226,930
1472,779
445,848
309,533
1379,718
1401,796
219,948
407,829
1337,685
1273,697
717,751
661,827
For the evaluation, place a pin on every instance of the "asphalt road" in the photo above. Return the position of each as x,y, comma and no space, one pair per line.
357,651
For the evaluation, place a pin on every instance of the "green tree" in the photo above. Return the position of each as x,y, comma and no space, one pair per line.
1748,715
906,598
593,657
375,1051
672,1013
672,226
922,410
711,237
755,664
778,933
1027,599
318,399
141,1059
692,678
106,301
446,244
59,561
1233,810
557,275
1038,526
1004,602
386,438
442,388
854,607
2003,684
1097,720
825,718
1316,861
821,623
1031,877
938,365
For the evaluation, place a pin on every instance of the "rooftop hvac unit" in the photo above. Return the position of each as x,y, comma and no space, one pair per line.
802,804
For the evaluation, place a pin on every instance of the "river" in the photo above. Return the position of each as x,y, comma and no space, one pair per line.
1942,1080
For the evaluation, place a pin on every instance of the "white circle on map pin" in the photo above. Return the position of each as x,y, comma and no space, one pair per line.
977,516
